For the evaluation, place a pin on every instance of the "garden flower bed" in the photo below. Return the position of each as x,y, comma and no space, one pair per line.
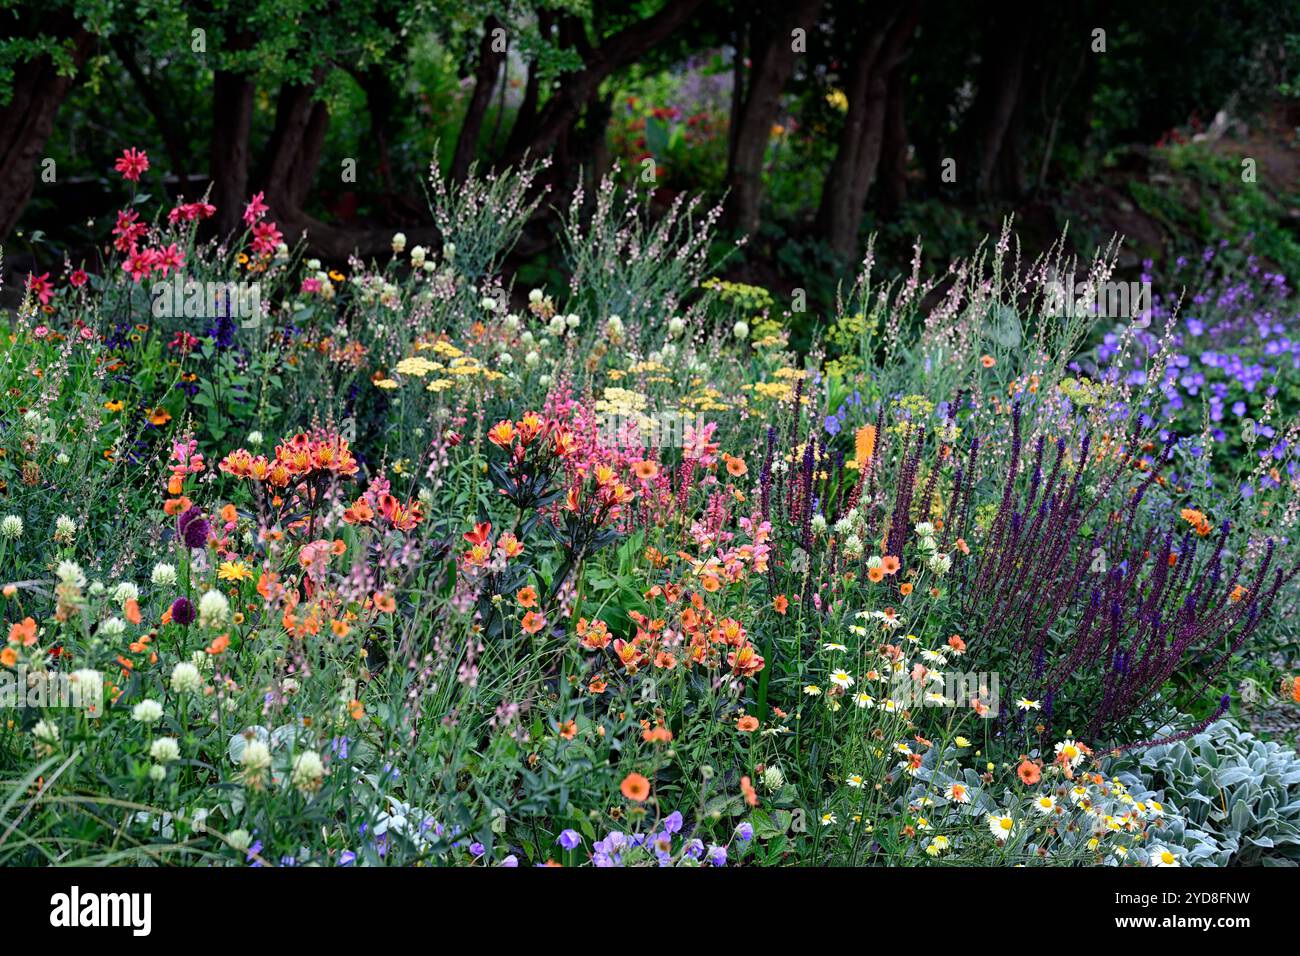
394,564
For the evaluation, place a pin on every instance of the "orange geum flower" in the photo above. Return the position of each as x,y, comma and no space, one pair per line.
527,597
747,788
533,622
780,604
735,466
635,787
890,564
219,645
645,470
1028,772
385,603
23,632
747,724
568,729
597,685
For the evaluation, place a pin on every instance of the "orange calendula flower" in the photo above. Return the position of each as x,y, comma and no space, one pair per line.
635,787
988,361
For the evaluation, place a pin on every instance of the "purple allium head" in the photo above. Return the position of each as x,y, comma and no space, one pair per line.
193,528
183,611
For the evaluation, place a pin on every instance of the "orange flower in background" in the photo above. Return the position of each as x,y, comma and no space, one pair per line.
780,604
1238,592
905,588
1295,689
645,470
526,597
735,466
132,610
988,361
1197,520
876,575
159,416
890,564
510,545
502,433
219,645
864,445
1028,772
23,632
568,729
356,710
533,622
957,644
635,787
747,724
8,657
597,685
385,603
747,788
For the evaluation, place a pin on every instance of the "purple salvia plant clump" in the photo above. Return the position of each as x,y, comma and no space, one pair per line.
1095,622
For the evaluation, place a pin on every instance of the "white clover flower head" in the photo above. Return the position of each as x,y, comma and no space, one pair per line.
239,840
125,591
157,773
417,255
46,732
556,326
532,358
308,772
512,321
65,529
214,609
70,573
488,304
676,325
148,711
11,527
399,241
740,330
163,575
256,756
165,749
62,458
112,627
313,265
186,678
255,438
773,778
819,523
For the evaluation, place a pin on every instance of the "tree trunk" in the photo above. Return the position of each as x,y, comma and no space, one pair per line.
894,152
996,96
294,147
485,79
858,154
752,126
27,120
577,88
232,121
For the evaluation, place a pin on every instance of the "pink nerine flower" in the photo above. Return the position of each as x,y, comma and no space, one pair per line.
265,238
255,209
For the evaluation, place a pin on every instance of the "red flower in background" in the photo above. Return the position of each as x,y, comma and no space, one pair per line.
132,164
